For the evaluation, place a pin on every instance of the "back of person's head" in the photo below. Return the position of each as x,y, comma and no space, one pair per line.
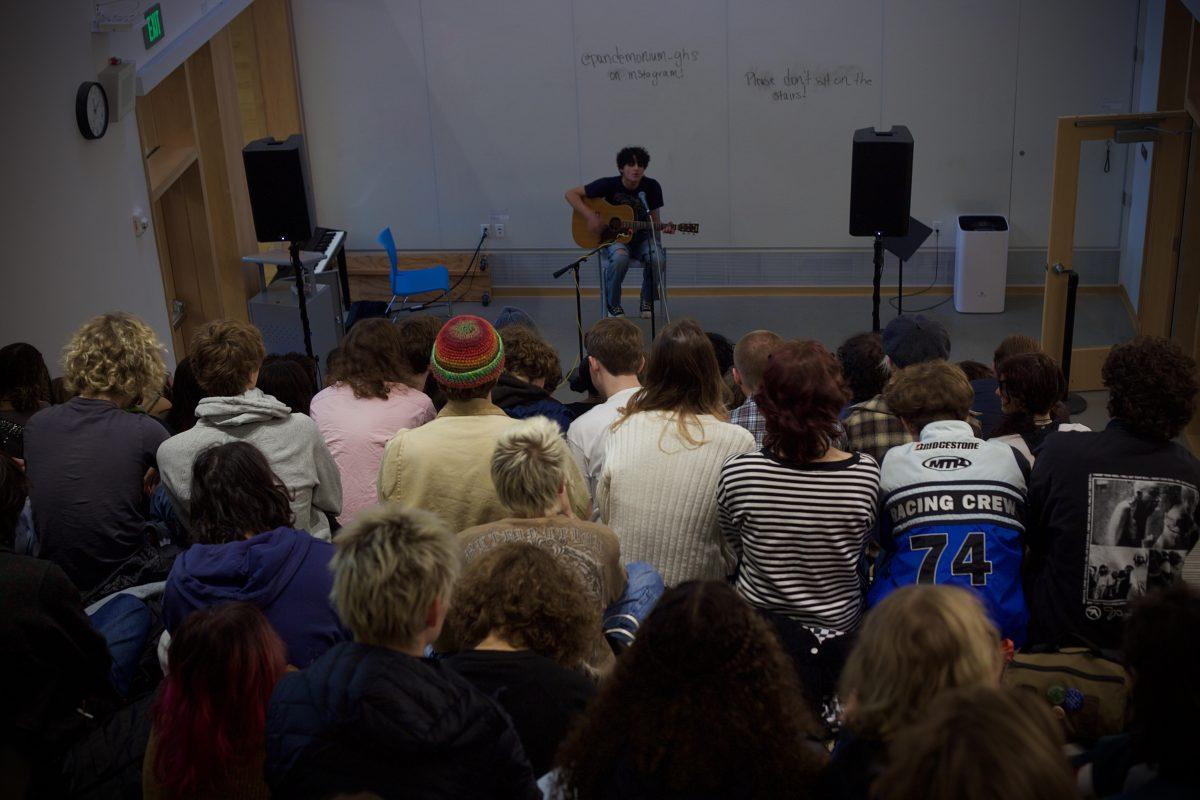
617,343
186,394
115,353
1162,648
467,358
211,709
682,377
225,355
801,394
975,370
704,703
511,315
24,379
288,382
750,357
14,488
1015,345
529,467
1031,382
372,358
920,641
235,494
390,565
722,349
979,743
863,365
915,340
928,392
418,332
627,156
1151,386
527,598
527,355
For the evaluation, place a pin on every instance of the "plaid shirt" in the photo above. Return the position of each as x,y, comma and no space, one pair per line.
872,428
749,417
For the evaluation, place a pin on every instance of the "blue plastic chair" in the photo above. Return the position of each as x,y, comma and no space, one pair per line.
407,282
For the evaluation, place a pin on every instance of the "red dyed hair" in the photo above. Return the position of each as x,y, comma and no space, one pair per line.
211,710
801,394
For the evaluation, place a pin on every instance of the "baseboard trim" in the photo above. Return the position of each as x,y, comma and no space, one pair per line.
779,291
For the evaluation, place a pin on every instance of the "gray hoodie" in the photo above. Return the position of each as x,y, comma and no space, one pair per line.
291,443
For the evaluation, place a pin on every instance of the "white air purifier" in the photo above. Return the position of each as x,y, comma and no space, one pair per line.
980,263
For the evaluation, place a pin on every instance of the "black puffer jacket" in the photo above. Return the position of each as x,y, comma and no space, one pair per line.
363,718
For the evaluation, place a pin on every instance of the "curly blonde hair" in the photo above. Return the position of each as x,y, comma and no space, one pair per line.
115,353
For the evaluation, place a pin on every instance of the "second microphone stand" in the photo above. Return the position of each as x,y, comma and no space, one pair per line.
574,266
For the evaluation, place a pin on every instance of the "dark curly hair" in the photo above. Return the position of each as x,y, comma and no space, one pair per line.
525,596
801,394
418,333
235,493
1160,647
1151,386
633,155
705,703
24,379
186,394
287,381
863,366
371,359
530,356
1034,384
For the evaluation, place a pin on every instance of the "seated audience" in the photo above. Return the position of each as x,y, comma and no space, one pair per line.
370,399
614,359
185,396
226,356
872,427
703,705
953,505
979,743
522,390
54,660
1125,498
986,405
419,332
1155,758
246,549
1030,385
918,643
657,490
444,466
373,715
749,361
864,367
526,623
799,512
24,390
287,381
91,462
207,739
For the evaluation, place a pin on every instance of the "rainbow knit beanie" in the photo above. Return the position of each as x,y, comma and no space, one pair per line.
467,353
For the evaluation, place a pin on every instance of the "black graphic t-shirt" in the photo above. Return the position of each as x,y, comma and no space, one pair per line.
613,191
1112,515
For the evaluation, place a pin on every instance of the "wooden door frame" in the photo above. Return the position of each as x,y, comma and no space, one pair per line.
1164,219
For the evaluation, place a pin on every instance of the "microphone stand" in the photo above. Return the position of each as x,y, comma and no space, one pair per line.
574,267
656,270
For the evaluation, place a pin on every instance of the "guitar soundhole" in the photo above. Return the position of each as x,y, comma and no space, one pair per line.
614,224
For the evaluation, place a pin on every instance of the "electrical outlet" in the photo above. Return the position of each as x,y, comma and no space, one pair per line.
937,224
484,230
499,228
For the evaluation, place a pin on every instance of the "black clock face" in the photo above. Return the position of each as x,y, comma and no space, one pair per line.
91,110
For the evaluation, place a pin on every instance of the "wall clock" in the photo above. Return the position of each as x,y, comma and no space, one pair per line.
91,110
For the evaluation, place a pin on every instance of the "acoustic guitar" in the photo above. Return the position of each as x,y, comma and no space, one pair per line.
622,224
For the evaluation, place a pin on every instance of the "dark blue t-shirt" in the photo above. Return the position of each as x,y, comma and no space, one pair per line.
612,190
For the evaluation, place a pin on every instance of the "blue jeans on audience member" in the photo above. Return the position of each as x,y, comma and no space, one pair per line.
124,622
616,260
25,541
629,611
161,511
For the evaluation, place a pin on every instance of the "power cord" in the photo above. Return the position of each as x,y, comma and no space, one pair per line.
461,278
937,258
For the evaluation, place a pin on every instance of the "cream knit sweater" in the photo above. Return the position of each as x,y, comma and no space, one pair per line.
657,491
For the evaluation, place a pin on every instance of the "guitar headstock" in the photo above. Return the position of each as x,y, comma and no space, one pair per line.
687,227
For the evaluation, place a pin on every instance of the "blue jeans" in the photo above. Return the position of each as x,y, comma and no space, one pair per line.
124,622
616,260
162,516
626,614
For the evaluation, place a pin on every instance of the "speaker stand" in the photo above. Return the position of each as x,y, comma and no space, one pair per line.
298,271
1075,402
875,283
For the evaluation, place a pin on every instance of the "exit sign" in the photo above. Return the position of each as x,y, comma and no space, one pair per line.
152,31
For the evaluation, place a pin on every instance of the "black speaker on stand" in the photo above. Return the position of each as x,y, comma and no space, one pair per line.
282,205
880,192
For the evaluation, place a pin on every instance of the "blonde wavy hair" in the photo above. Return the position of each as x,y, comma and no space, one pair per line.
390,564
115,353
920,641
529,467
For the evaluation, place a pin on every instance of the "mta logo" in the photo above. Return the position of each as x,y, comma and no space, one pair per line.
945,463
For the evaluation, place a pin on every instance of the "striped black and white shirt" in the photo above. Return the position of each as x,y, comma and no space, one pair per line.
799,530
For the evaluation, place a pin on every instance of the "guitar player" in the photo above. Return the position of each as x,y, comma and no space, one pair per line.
623,189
